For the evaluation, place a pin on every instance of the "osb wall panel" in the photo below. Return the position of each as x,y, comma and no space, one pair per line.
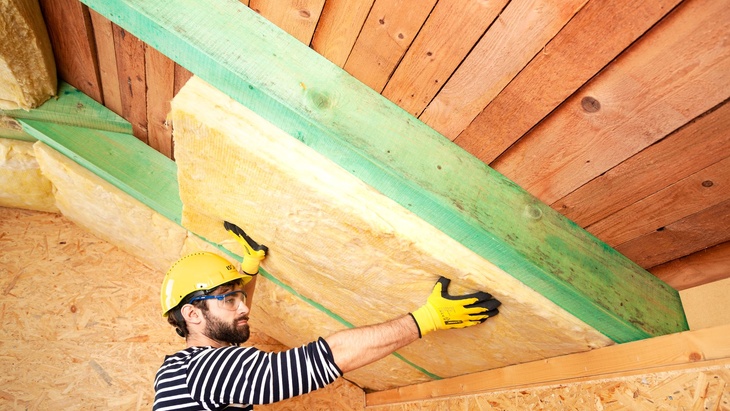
697,389
80,323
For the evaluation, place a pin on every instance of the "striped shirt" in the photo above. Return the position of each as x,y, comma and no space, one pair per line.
206,378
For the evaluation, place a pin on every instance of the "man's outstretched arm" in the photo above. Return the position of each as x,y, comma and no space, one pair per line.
357,347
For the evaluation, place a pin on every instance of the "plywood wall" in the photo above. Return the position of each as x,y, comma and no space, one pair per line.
80,323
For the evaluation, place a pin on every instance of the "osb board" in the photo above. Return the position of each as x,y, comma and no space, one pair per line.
21,183
700,388
339,242
27,69
80,323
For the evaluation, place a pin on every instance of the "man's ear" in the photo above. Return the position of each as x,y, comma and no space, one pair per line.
191,314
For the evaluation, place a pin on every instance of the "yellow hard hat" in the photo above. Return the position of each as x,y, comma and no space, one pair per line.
195,272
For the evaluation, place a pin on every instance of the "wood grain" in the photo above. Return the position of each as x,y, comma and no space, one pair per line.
69,25
297,17
670,76
385,37
695,146
338,28
520,32
693,233
105,49
579,51
160,76
432,58
702,267
132,80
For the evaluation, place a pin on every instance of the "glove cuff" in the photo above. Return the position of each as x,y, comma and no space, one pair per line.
424,320
247,277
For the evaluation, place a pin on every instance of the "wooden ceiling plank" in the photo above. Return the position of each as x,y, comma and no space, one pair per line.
182,75
520,32
674,73
433,57
338,28
661,353
319,104
580,50
73,108
673,158
696,269
104,36
686,197
132,80
160,75
69,27
694,233
385,37
297,17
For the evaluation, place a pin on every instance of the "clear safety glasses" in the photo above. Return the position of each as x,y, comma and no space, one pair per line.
228,301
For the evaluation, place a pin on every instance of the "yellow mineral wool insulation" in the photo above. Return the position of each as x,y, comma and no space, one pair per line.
21,183
27,69
339,242
111,214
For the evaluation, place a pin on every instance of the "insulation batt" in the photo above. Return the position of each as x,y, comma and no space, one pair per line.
21,183
27,69
337,241
109,213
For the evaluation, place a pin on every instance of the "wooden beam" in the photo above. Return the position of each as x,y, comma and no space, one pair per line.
316,102
73,108
653,355
150,178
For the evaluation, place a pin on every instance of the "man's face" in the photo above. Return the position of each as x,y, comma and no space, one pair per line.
226,326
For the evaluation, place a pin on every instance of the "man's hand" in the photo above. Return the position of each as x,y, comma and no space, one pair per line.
443,311
253,253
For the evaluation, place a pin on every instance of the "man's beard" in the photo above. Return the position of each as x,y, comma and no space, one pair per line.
227,332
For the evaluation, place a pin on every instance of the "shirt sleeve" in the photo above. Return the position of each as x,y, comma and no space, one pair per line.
246,375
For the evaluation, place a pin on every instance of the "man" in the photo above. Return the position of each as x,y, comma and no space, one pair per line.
204,298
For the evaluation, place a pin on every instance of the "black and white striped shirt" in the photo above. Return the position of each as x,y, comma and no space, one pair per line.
206,378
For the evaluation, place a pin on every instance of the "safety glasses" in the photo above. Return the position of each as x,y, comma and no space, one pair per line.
228,301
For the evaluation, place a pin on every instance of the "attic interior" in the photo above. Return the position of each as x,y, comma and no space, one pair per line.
611,115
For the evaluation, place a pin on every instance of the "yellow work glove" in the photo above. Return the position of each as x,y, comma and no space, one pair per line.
253,253
443,311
